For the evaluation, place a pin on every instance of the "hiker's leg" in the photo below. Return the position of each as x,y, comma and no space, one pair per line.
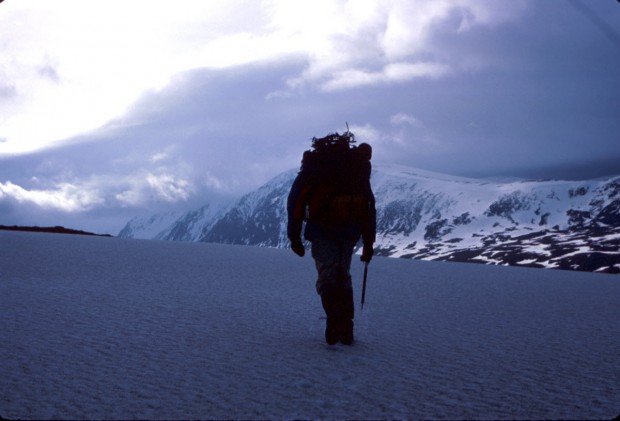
332,272
345,295
327,258
330,301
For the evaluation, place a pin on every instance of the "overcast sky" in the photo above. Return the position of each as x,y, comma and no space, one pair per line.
112,109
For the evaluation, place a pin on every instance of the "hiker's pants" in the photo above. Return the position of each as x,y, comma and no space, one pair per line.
333,262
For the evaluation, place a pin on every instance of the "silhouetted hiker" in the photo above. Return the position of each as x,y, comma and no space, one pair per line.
332,194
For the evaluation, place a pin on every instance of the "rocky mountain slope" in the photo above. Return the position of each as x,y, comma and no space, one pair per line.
425,215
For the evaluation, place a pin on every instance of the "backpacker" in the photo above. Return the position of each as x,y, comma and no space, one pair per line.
337,181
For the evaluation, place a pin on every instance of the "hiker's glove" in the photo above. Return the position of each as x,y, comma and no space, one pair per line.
367,253
298,247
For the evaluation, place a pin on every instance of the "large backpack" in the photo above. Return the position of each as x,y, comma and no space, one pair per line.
337,175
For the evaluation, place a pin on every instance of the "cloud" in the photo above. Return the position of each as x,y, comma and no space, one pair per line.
391,73
366,133
405,137
408,25
384,142
394,37
74,66
152,188
159,156
65,197
168,187
405,119
214,182
137,189
7,90
167,154
50,72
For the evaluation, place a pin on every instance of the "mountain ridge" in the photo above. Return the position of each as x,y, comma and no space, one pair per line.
432,216
57,229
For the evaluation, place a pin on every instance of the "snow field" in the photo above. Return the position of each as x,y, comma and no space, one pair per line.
109,328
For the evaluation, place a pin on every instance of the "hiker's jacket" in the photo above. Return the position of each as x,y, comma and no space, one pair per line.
308,201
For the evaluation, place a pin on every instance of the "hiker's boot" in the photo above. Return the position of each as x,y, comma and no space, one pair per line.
332,334
346,332
347,311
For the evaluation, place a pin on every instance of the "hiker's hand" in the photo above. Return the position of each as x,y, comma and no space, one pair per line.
298,247
367,253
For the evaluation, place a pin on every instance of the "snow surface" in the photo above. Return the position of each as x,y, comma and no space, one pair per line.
98,327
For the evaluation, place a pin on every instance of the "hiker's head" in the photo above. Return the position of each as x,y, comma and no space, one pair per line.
365,151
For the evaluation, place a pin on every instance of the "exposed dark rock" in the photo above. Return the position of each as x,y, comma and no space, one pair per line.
435,230
399,217
463,219
544,218
610,214
509,204
577,217
581,191
384,251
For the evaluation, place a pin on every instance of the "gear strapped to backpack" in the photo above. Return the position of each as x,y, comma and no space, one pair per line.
338,176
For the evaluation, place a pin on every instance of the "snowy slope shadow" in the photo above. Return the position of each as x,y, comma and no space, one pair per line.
112,328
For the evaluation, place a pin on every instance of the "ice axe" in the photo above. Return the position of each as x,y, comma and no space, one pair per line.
364,283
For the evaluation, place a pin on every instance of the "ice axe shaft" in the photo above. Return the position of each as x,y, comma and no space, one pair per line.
364,284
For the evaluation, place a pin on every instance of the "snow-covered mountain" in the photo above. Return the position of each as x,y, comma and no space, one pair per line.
149,226
192,225
425,215
174,226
